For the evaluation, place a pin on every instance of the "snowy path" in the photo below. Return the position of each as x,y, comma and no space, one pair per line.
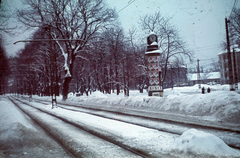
151,142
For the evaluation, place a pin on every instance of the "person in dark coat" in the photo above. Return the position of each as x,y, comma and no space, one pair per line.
208,90
203,90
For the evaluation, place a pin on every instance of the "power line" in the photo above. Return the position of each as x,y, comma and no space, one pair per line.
208,59
126,6
206,48
203,49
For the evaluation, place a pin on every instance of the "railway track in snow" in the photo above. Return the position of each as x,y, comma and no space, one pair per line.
231,136
91,142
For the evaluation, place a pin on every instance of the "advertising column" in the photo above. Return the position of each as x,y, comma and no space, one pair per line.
154,72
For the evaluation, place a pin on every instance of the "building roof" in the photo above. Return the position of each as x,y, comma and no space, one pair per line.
236,50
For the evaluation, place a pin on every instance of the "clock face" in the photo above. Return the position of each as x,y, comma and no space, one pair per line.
152,38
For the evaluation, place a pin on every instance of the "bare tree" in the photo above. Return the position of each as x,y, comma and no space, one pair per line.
170,43
215,64
137,47
71,20
5,16
234,27
114,42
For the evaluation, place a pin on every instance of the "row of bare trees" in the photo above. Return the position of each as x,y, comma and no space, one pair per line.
88,49
4,65
107,63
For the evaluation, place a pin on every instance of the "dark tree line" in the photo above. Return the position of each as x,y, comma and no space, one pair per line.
4,64
107,64
76,21
33,64
4,69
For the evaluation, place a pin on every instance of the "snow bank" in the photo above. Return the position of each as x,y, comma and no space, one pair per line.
199,143
97,94
219,105
10,115
224,106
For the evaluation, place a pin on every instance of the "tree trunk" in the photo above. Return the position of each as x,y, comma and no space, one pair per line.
66,82
117,86
68,79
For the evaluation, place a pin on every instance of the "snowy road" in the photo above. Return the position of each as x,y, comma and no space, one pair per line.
74,130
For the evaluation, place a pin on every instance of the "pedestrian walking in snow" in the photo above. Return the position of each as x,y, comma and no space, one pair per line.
203,90
208,90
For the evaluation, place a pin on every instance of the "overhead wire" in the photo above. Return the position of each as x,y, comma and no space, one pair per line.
129,3
206,48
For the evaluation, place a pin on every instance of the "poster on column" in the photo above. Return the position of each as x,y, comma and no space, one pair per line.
153,66
153,74
152,59
154,81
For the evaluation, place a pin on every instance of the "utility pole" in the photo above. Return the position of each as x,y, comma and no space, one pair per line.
52,70
235,77
230,74
198,74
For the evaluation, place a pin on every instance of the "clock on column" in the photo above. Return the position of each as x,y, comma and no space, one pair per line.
152,38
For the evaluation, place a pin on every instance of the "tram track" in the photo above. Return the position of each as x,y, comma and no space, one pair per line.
80,126
111,114
39,124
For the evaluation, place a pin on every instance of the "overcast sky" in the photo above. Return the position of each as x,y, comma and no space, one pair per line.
201,22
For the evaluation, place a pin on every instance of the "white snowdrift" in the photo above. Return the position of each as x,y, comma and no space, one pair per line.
199,142
221,105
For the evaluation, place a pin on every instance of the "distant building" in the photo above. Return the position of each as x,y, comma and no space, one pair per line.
205,78
224,68
176,76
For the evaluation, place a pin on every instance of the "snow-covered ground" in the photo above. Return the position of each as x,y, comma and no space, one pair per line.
19,137
220,105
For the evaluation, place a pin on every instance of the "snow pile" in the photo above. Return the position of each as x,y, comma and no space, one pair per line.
169,92
97,94
218,106
224,106
199,143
